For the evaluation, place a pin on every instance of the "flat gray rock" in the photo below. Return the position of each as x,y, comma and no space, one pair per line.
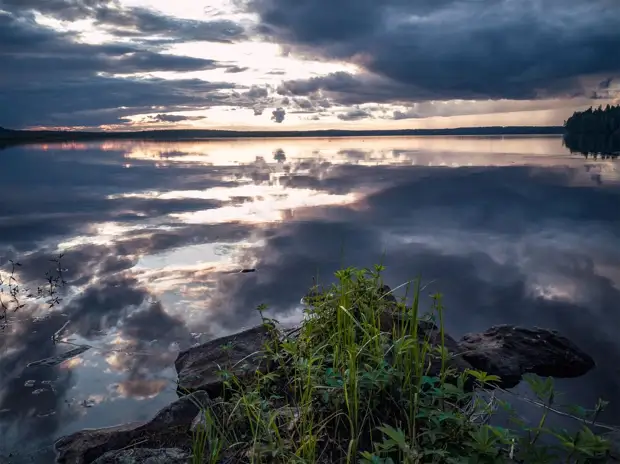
510,352
169,428
241,354
145,456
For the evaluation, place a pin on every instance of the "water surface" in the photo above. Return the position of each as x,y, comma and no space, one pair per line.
511,230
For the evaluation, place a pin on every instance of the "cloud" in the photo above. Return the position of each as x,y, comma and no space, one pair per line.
98,100
428,109
137,22
131,21
348,89
256,92
51,80
172,118
278,114
236,69
354,115
505,49
68,10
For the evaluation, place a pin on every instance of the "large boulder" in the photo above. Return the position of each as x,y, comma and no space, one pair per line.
199,367
509,352
169,428
145,456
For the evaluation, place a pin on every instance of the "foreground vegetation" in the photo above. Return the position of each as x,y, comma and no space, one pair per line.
368,379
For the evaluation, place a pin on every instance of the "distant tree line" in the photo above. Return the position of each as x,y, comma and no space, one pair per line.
594,132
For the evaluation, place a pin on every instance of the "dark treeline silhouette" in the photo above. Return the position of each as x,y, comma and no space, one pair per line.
594,132
15,137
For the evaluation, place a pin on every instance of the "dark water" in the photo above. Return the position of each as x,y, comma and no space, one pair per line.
511,230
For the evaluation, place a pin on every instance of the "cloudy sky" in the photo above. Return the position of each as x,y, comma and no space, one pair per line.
304,64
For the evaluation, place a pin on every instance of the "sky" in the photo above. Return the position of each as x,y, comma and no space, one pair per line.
304,64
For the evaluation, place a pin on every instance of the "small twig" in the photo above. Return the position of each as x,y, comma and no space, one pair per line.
559,412
59,331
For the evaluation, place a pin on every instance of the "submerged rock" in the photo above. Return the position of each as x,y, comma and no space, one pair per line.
145,456
169,427
199,368
58,359
510,352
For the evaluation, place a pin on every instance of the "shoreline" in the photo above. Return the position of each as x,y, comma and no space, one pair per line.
12,138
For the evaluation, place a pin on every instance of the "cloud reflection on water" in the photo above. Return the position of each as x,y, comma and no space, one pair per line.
511,230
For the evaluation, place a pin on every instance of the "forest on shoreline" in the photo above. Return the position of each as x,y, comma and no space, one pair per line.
594,132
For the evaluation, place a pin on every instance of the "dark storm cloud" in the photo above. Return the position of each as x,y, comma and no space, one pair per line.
347,89
173,118
97,100
48,79
144,22
278,115
68,10
354,115
236,69
256,92
130,22
311,104
452,49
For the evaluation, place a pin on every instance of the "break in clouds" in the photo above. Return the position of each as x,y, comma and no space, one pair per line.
410,57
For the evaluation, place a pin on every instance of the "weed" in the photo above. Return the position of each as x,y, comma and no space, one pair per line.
14,296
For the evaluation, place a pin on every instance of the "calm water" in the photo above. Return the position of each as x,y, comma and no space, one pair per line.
511,230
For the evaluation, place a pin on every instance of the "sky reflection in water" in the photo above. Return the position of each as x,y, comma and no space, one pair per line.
511,230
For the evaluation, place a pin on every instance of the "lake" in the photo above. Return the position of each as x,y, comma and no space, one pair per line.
154,235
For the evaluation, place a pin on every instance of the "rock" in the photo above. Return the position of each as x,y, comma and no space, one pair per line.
386,294
614,446
145,456
241,354
169,427
391,321
429,331
199,422
510,352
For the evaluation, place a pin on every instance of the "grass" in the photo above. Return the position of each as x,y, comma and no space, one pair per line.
367,379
